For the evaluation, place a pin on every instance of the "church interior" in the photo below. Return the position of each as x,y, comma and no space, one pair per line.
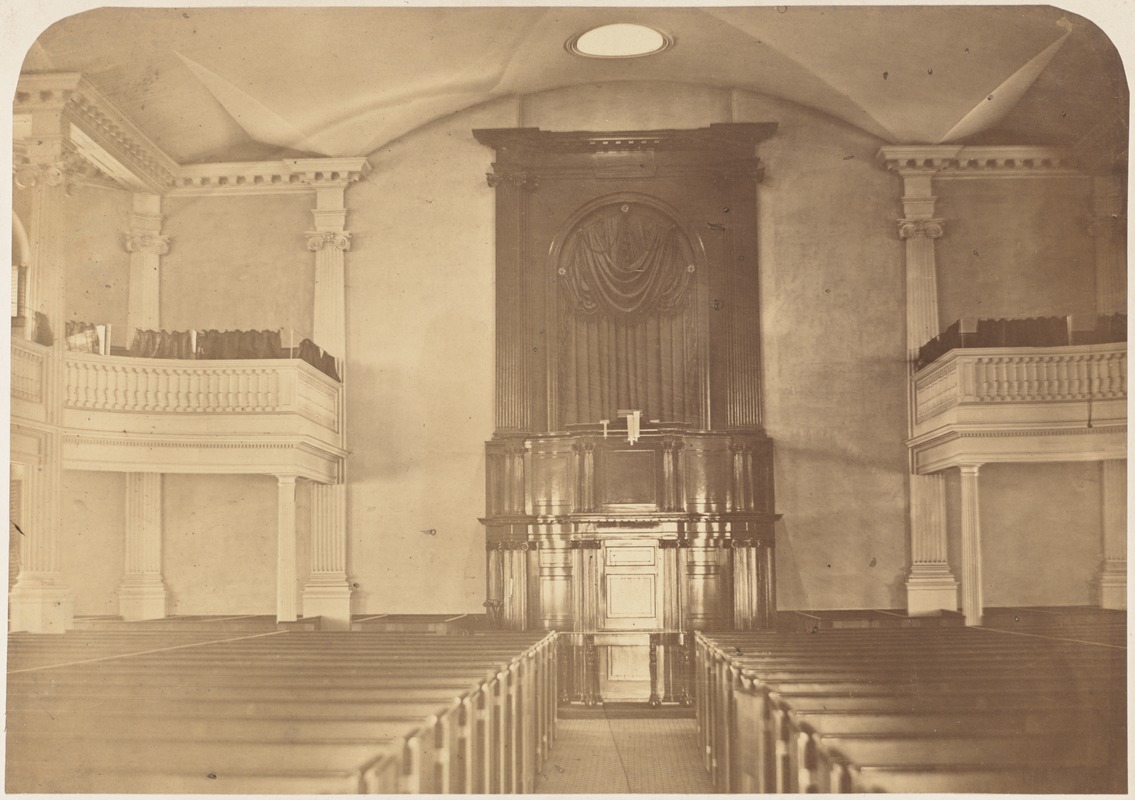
568,400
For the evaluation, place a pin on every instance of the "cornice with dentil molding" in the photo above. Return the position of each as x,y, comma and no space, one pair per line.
953,161
96,131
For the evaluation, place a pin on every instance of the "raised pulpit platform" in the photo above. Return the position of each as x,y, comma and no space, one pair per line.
629,547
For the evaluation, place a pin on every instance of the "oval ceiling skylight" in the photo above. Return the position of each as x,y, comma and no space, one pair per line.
621,40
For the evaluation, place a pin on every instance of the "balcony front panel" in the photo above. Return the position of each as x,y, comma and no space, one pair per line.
264,416
1020,404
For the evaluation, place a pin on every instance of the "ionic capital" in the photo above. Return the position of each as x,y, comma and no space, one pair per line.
921,228
148,243
318,240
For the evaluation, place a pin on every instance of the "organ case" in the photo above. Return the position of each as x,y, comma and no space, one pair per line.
629,496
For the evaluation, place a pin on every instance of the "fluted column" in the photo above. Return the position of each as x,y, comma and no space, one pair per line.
286,600
1113,575
142,594
513,357
327,592
146,246
742,384
972,605
1108,227
40,601
930,585
329,313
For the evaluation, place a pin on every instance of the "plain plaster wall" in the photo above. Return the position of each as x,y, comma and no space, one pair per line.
832,311
219,550
1014,247
238,263
98,268
1041,532
92,538
420,366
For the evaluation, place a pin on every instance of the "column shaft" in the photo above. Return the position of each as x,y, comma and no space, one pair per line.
971,545
40,601
146,246
930,586
1111,262
1113,575
286,603
327,593
142,594
328,317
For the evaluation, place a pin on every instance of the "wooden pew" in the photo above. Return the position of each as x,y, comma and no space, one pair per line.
750,684
481,713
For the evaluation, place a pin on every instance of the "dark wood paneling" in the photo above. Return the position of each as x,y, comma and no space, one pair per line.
699,489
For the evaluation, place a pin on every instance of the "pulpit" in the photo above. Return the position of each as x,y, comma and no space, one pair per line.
629,496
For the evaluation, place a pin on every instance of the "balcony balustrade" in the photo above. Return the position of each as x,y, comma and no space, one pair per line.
1020,404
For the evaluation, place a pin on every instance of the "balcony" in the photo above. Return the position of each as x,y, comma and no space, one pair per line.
119,413
29,380
1015,404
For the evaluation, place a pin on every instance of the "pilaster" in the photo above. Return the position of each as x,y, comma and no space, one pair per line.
742,309
1108,227
146,246
1113,574
327,593
40,601
286,595
513,367
930,585
972,606
142,594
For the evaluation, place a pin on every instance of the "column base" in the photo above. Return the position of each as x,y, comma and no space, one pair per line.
142,597
328,597
930,592
40,604
1113,586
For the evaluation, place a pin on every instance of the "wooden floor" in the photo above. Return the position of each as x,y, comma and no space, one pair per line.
625,755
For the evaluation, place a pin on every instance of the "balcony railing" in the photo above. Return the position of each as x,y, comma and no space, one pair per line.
1021,375
1005,395
28,363
120,413
146,386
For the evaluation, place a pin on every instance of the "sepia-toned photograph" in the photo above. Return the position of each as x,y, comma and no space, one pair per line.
564,399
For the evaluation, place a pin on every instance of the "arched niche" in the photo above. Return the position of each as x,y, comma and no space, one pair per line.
627,312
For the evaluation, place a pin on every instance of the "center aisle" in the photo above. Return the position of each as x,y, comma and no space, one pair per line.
623,756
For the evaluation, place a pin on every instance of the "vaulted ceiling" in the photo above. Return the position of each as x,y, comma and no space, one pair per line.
212,84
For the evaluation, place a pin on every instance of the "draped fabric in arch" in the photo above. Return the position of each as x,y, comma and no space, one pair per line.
626,280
